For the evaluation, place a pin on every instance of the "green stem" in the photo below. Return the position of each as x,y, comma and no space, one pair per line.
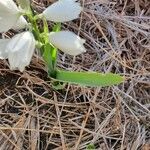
35,29
49,53
56,28
48,50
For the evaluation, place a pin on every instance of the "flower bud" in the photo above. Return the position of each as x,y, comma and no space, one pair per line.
62,11
20,50
68,42
9,14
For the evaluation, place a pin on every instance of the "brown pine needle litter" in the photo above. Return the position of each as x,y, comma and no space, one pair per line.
34,116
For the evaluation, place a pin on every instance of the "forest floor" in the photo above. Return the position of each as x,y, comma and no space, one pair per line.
35,116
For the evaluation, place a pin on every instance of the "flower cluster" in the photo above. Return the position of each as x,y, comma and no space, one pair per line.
20,48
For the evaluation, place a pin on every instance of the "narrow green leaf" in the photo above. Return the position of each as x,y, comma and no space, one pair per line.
92,79
48,59
90,147
58,85
56,27
47,55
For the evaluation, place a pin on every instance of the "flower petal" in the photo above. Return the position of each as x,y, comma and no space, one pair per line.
67,42
3,44
8,6
20,24
62,11
20,50
9,14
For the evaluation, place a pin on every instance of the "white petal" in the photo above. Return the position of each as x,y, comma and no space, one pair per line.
9,14
3,44
67,42
62,11
8,6
20,24
6,24
20,50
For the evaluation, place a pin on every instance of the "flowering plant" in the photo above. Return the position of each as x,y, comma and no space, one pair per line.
20,48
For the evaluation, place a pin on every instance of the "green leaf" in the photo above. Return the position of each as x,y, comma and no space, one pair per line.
47,56
91,79
90,147
56,27
58,85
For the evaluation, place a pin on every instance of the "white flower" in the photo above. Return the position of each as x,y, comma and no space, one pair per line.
20,50
62,11
67,42
3,44
20,24
9,14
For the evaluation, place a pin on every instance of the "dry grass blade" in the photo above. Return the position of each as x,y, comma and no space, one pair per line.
34,116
